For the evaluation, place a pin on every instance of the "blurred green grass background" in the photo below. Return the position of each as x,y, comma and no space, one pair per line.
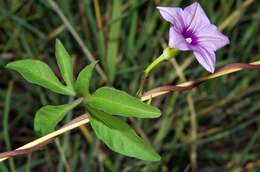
125,36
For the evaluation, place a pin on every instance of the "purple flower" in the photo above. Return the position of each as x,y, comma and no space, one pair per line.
192,30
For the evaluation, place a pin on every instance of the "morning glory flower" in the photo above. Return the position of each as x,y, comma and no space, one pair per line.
191,30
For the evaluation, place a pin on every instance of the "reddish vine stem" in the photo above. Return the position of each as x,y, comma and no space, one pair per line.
43,141
231,68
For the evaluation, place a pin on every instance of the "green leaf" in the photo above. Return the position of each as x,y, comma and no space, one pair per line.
83,80
64,63
38,72
118,102
49,116
119,137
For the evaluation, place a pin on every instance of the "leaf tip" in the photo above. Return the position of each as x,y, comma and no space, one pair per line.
58,46
156,157
57,41
9,65
157,113
154,112
94,63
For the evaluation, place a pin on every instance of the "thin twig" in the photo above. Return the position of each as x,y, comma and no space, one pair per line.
85,50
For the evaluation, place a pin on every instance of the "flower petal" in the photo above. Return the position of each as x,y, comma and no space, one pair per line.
176,40
211,37
195,17
173,15
205,57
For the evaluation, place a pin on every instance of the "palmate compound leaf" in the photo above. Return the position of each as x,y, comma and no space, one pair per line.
64,62
39,73
119,137
49,116
83,80
117,102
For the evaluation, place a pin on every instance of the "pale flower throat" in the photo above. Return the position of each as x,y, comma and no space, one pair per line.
188,40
